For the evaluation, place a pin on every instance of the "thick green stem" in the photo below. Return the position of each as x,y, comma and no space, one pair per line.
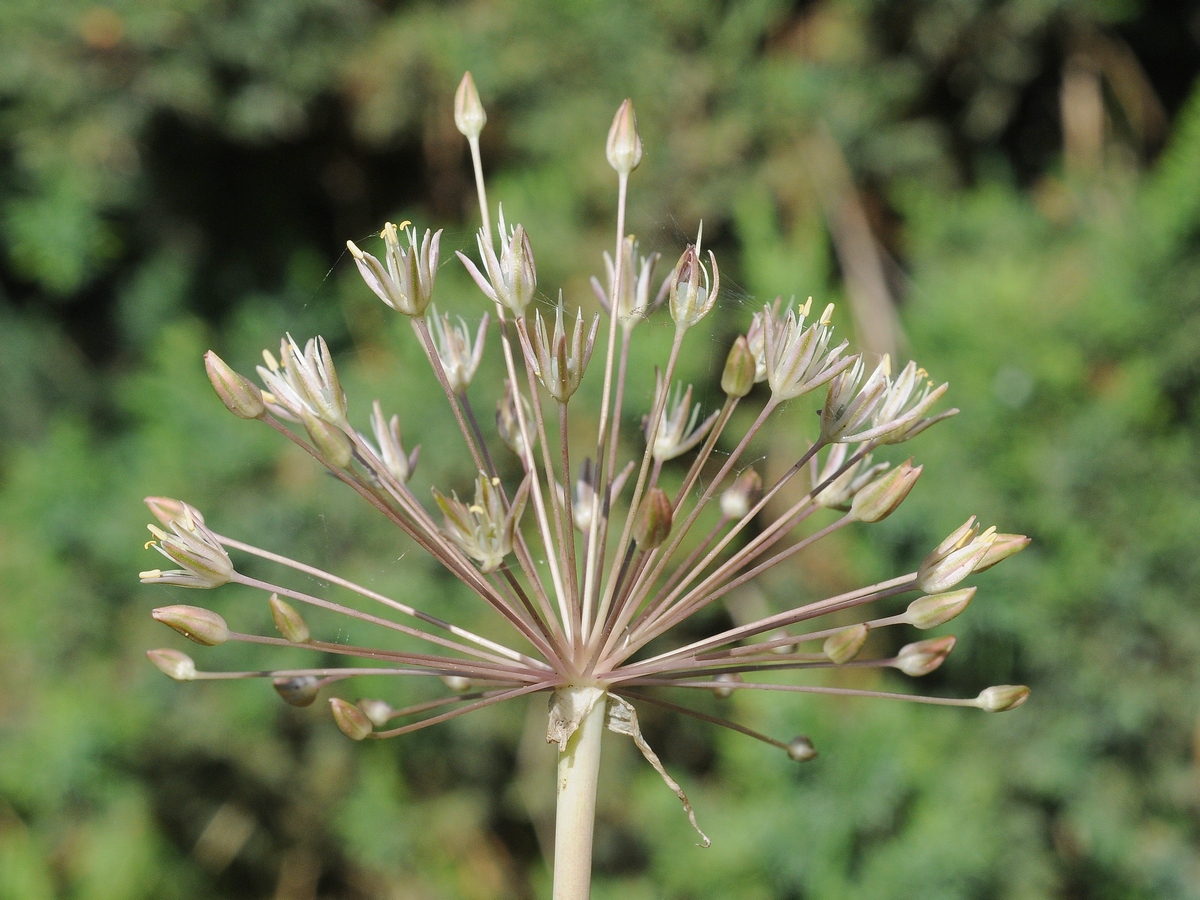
578,770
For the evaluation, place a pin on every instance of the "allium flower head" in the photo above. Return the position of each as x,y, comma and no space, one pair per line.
589,564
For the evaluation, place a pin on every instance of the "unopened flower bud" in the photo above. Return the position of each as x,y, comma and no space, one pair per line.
469,116
165,509
240,396
937,609
299,690
624,147
801,749
289,622
880,498
726,678
654,521
174,664
195,623
378,711
350,719
1003,546
954,558
740,497
457,683
1002,697
738,377
331,442
842,646
923,657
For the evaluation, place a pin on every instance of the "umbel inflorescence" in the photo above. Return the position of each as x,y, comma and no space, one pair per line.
588,558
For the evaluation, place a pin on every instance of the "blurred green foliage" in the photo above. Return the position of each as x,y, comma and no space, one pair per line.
182,174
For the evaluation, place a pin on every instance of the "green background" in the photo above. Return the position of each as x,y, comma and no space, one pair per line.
1018,179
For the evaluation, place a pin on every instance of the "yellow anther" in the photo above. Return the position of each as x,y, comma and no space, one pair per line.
476,508
495,481
148,545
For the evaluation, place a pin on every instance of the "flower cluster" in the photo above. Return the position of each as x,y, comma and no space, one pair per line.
586,574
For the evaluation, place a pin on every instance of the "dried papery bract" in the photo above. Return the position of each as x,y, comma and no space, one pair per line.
618,549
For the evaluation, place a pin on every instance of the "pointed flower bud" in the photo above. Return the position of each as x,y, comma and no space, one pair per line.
289,622
390,458
511,278
740,497
624,147
508,426
484,530
1003,546
798,359
195,623
678,432
738,377
1002,697
469,117
240,396
801,749
191,545
842,646
406,283
298,690
165,509
693,293
303,381
559,361
331,442
923,657
173,664
654,520
350,719
933,610
379,712
954,558
879,499
460,359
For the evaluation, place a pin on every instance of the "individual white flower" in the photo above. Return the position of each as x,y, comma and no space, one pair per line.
484,529
460,358
303,380
512,276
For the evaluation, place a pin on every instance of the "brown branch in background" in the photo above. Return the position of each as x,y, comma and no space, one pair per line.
871,304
